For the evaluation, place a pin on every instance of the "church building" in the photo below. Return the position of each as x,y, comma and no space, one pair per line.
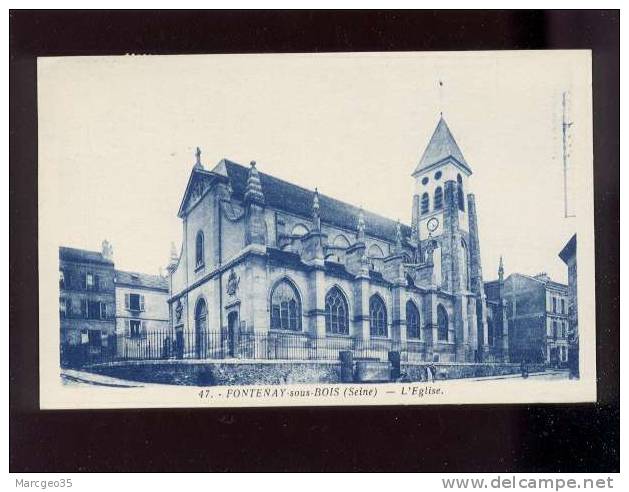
265,260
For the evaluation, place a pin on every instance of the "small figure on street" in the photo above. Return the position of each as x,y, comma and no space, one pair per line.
524,369
431,371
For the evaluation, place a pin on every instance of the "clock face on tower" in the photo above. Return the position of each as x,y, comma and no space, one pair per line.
430,227
432,224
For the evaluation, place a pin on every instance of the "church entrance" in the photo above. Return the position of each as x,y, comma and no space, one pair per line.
200,329
232,334
554,357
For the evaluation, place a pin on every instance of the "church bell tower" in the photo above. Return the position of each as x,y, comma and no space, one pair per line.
444,218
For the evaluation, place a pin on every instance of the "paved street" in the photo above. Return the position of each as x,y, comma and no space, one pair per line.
74,377
550,375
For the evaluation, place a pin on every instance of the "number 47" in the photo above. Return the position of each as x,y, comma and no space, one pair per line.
204,393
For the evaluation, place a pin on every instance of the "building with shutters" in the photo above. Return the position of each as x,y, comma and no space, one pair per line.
103,310
141,304
86,300
264,259
536,314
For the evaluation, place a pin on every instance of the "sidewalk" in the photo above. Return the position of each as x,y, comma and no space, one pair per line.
552,372
72,376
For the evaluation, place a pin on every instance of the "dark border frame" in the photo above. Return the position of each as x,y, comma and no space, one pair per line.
481,438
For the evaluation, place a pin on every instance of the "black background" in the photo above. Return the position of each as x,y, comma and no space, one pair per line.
496,438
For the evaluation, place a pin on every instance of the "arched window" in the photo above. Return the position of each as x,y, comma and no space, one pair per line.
465,266
442,323
490,330
436,260
200,253
336,313
425,204
377,317
200,315
285,307
555,334
412,321
459,193
438,198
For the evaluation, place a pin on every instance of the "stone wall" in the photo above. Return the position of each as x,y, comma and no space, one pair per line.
419,372
194,373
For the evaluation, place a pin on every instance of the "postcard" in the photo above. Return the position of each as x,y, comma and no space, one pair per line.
316,229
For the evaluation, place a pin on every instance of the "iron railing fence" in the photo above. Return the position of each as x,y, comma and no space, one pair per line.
156,345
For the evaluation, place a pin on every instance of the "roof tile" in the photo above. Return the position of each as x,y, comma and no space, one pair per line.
141,280
82,255
291,198
441,146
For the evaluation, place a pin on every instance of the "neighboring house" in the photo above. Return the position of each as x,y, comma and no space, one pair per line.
269,261
141,304
497,314
569,256
537,317
86,301
101,308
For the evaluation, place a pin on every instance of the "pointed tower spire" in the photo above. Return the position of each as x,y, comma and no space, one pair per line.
442,146
253,190
316,215
360,237
501,270
197,164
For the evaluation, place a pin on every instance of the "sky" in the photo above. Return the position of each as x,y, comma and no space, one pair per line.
117,137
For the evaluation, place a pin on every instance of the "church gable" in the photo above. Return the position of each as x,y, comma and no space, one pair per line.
199,183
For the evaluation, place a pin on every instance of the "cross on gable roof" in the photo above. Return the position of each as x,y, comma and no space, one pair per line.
198,183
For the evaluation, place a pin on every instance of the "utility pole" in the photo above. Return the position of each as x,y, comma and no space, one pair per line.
565,125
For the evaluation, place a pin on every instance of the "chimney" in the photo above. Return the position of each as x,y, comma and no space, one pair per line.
107,250
174,256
